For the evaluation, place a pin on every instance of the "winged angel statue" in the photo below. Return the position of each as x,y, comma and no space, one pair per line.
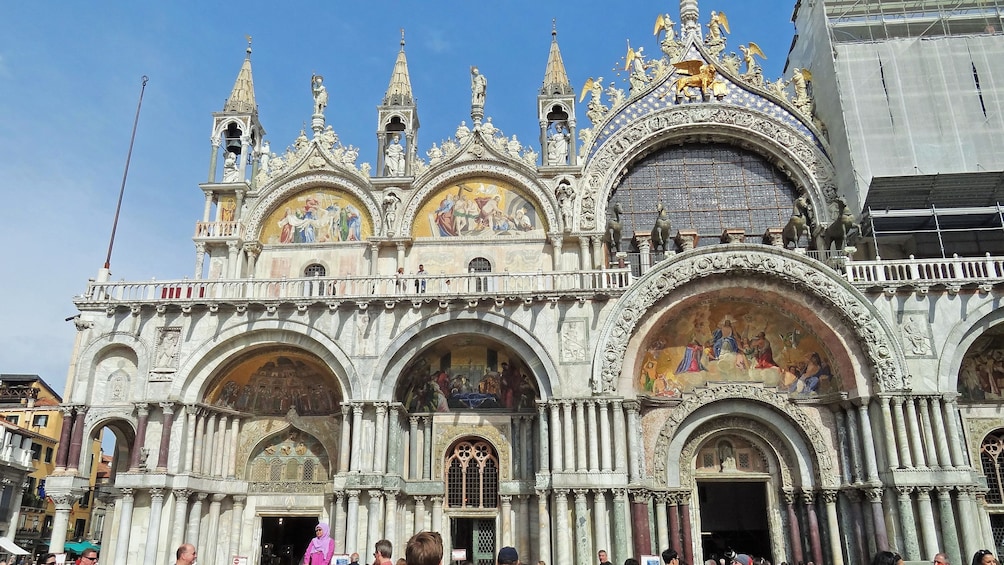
715,41
670,45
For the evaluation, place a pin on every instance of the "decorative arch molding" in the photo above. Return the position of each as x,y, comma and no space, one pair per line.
842,301
83,378
447,324
486,168
960,338
101,416
766,440
322,179
201,366
767,409
447,435
792,151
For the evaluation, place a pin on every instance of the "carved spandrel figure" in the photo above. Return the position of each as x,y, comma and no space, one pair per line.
167,353
916,340
320,94
479,87
395,157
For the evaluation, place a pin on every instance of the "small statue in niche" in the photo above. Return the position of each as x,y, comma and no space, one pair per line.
230,171
395,157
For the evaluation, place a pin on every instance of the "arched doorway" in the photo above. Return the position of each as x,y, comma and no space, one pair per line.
471,472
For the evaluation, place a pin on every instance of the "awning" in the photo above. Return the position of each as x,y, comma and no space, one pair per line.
79,547
8,546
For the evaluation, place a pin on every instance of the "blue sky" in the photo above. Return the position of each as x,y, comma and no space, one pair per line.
70,79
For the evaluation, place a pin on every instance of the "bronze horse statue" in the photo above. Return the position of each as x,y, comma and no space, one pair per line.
612,236
839,232
660,231
798,224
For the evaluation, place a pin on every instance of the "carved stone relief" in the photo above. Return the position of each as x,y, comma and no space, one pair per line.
574,339
916,335
166,354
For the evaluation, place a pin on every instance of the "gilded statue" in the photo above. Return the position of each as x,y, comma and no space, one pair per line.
671,46
695,73
749,52
634,61
800,79
595,110
715,40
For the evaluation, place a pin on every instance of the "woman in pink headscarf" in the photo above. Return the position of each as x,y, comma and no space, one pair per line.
321,548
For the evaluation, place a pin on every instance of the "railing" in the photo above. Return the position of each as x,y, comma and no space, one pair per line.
12,455
951,271
219,229
381,287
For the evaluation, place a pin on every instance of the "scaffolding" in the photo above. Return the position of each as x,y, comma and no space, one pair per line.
972,231
871,20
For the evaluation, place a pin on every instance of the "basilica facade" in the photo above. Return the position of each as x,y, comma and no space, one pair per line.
693,314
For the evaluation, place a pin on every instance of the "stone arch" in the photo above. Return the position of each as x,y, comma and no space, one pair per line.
320,180
121,421
270,441
961,337
764,439
535,188
797,441
84,382
841,302
444,324
201,369
786,147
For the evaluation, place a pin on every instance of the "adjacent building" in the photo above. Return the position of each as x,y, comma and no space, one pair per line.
709,310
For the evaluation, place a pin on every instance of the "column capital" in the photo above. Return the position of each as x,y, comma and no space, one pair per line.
346,407
632,405
377,494
392,494
924,491
357,407
662,497
381,408
157,493
541,493
240,499
505,498
127,493
873,494
182,494
904,491
218,497
167,407
944,491
620,494
420,498
829,495
642,496
580,494
353,494
788,495
808,497
560,491
67,410
413,420
64,501
602,401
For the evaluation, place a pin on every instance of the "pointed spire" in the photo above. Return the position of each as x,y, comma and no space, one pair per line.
399,90
555,77
242,98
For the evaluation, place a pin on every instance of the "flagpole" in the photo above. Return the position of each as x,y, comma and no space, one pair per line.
125,174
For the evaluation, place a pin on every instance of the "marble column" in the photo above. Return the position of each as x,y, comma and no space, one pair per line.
395,446
661,521
165,435
601,525
910,549
949,533
685,524
563,543
209,445
557,463
567,435
892,456
674,523
606,449
339,523
794,534
585,259
63,447
505,517
525,528
352,523
583,547
427,448
125,505
928,529
150,555
639,520
854,524
808,498
17,494
620,438
972,540
237,525
180,516
913,429
374,530
437,513
355,450
622,544
235,434
594,443
956,440
77,438
191,412
345,445
390,520
544,525
542,439
413,453
380,455
195,518
829,497
582,448
924,408
222,447
211,548
60,522
200,434
867,441
940,438
853,469
634,448
902,441
874,496
420,514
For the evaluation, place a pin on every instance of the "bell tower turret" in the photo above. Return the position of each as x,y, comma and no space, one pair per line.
556,111
397,127
237,141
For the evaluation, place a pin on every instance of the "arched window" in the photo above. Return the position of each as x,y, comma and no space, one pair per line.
480,265
990,457
314,270
472,475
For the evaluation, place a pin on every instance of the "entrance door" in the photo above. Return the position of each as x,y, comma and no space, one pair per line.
284,539
477,536
734,517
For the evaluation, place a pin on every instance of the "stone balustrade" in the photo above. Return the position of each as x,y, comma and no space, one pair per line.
390,287
951,272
